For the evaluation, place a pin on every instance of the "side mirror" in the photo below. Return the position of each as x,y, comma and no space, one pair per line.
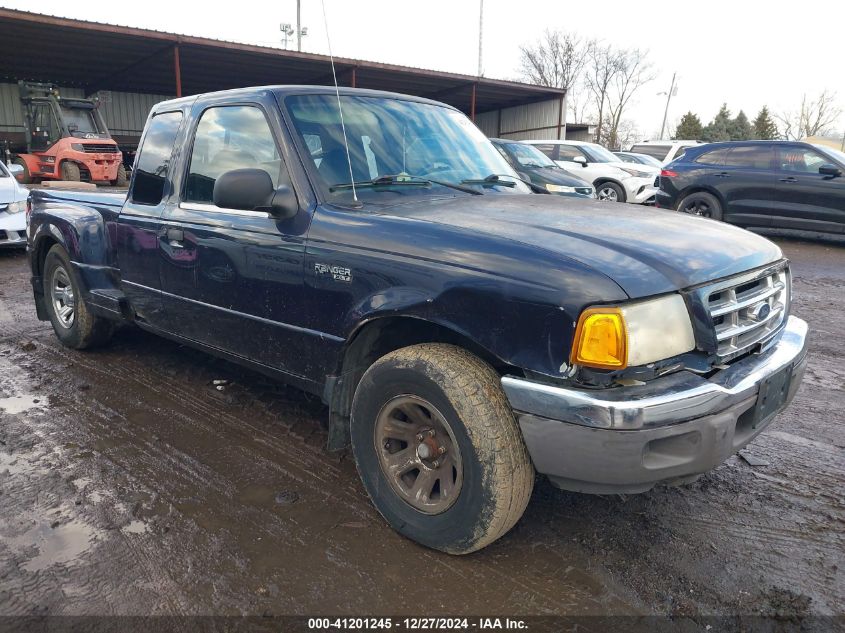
252,190
580,159
830,170
15,169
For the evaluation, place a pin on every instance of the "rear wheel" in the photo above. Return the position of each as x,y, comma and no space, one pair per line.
438,448
121,180
701,203
73,323
610,192
25,177
70,171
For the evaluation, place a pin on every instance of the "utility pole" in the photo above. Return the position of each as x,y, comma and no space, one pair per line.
666,111
298,27
480,33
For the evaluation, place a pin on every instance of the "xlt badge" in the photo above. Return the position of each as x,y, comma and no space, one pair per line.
338,273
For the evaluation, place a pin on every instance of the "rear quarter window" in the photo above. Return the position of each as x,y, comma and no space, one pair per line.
713,157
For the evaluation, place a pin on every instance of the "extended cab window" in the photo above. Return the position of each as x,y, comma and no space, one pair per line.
227,138
154,157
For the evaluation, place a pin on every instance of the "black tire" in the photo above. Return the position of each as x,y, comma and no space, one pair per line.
71,172
701,203
610,192
121,180
83,330
497,474
26,177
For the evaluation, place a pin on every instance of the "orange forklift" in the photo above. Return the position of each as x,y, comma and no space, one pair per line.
66,139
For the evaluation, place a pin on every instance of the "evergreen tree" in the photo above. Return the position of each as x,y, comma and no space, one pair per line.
719,128
764,128
689,128
740,129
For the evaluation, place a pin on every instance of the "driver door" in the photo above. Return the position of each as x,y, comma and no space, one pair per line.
232,279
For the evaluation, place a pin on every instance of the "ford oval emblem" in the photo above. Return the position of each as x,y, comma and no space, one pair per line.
760,312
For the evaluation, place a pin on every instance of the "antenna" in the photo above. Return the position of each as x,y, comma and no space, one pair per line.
339,108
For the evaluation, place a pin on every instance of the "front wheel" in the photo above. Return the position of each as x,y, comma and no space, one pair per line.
73,323
71,172
701,203
438,448
26,176
610,192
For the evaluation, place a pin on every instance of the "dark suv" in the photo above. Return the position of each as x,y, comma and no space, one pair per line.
780,184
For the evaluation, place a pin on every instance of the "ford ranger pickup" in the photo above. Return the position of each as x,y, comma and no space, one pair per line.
465,333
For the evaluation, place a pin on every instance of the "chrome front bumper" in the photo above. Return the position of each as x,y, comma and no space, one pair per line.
627,439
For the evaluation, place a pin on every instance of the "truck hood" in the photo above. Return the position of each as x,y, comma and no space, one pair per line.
645,251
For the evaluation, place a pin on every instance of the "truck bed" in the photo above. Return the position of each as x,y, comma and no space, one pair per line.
105,198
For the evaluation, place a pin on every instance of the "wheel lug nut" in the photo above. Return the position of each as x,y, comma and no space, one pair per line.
435,463
441,450
387,445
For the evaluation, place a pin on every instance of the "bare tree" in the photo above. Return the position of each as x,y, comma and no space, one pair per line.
557,60
633,70
578,101
815,117
602,67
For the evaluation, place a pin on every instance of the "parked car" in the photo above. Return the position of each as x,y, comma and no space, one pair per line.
780,184
12,206
533,165
461,331
663,151
613,179
639,159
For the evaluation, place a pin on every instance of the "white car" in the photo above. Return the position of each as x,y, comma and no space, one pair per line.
664,151
12,208
613,179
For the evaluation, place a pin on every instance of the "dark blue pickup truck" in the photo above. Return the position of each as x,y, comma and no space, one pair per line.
465,333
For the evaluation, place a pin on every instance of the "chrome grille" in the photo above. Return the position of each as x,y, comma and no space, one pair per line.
748,310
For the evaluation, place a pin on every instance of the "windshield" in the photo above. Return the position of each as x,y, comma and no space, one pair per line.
528,155
388,137
598,154
79,120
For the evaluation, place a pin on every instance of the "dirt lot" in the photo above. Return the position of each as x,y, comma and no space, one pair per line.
130,485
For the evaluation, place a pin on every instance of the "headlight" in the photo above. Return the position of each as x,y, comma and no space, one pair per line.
77,147
559,189
15,207
636,173
633,334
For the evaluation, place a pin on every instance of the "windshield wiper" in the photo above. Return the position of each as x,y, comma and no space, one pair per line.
403,179
492,180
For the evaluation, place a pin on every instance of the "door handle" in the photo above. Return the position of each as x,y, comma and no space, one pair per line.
724,174
790,179
175,238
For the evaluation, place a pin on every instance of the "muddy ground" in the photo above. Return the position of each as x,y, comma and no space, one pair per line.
129,484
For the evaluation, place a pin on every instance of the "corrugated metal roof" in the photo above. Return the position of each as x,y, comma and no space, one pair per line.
96,55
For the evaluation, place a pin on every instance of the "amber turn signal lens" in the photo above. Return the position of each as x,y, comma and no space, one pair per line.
601,339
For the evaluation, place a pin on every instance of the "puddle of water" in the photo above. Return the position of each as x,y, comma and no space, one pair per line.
20,404
135,527
61,544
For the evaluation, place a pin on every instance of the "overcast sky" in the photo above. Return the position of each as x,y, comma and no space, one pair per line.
745,52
